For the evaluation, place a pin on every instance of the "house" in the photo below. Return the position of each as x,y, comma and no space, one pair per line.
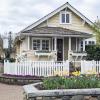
57,36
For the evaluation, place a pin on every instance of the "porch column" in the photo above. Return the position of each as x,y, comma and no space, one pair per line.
55,43
76,45
28,43
69,43
83,45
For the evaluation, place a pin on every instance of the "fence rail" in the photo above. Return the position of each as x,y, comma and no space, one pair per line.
36,68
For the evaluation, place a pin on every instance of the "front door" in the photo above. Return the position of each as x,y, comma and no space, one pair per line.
59,49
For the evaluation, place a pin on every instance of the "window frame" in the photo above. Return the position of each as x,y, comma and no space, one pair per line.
65,12
36,43
41,43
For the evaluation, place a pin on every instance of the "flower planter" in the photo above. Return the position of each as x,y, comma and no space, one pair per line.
32,93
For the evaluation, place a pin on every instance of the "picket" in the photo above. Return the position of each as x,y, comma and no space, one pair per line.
36,68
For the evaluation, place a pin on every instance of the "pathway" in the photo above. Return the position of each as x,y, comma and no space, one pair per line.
11,92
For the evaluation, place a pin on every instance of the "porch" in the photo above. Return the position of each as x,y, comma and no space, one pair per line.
52,44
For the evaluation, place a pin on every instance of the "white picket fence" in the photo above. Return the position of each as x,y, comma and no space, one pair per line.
90,67
36,68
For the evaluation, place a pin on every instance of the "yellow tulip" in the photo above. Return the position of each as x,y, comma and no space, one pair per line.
76,73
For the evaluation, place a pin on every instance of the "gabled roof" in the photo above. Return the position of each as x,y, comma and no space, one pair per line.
55,12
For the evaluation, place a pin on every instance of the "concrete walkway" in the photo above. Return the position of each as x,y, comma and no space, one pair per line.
11,92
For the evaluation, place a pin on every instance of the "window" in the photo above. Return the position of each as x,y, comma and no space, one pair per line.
93,42
65,17
36,44
81,46
85,42
45,44
90,42
41,44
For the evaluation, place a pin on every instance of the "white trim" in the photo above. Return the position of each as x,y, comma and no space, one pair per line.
70,18
66,5
63,49
83,45
76,44
34,38
55,43
69,49
57,35
28,43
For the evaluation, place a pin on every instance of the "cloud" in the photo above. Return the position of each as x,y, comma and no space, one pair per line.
17,14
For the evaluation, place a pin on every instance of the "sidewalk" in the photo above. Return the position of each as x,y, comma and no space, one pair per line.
11,92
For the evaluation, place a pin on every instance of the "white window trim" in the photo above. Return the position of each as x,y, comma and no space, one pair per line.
40,43
65,12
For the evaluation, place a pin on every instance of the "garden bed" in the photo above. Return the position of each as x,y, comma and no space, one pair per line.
71,82
54,88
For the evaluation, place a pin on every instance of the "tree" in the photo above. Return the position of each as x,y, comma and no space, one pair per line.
9,49
93,52
96,29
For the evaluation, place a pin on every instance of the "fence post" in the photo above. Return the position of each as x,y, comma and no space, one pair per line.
6,67
66,65
82,67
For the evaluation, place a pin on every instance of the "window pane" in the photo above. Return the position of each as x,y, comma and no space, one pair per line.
67,18
36,44
63,18
93,43
45,44
89,42
85,42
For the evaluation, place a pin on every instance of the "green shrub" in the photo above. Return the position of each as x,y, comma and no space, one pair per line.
72,82
93,52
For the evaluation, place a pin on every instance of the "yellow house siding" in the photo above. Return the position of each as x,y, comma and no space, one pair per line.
24,46
43,24
77,23
18,48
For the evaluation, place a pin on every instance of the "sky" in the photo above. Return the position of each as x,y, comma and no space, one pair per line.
15,15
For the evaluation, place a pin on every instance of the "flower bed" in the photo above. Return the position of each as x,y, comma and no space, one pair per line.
73,82
65,88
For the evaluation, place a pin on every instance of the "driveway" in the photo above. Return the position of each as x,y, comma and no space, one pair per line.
11,92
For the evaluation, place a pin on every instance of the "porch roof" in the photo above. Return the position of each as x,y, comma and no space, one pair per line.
55,31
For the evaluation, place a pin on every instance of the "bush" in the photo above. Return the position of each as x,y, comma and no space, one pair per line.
72,82
93,52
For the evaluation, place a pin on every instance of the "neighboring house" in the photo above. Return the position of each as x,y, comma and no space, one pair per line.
57,36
